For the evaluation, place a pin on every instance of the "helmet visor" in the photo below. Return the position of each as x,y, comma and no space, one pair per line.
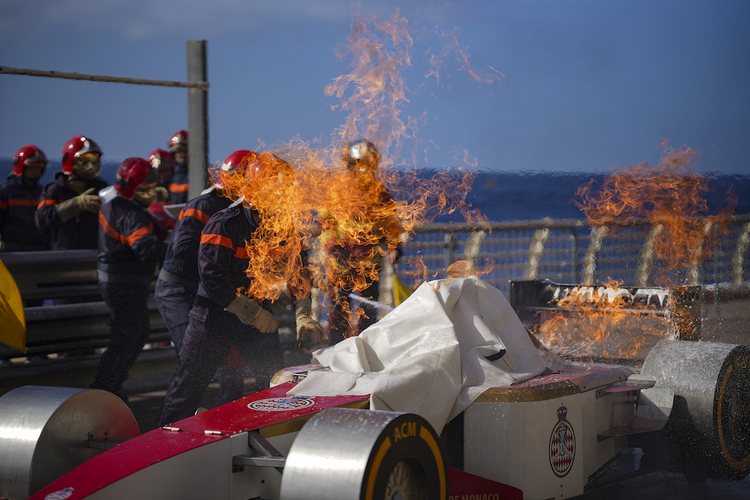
87,165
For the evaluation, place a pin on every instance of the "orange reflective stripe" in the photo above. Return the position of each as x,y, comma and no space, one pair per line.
3,205
46,202
140,233
108,229
125,240
179,188
241,253
217,239
195,214
22,203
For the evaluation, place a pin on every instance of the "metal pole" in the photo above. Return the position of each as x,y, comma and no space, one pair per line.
197,118
101,78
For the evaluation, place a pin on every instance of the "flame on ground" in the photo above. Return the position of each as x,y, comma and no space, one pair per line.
595,322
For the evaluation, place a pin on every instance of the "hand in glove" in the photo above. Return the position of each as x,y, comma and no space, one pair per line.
162,195
305,324
83,202
251,313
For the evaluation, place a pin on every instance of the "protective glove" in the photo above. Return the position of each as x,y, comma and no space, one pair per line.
251,313
305,324
162,195
83,202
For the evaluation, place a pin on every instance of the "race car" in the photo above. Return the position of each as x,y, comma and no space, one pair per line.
556,433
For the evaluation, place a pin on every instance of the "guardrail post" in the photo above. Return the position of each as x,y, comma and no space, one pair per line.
589,262
694,274
449,244
197,118
536,250
471,250
647,254
743,241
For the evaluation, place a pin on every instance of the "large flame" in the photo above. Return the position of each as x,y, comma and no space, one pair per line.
606,321
325,207
670,195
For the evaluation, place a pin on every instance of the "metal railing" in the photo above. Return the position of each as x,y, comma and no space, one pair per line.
572,251
565,251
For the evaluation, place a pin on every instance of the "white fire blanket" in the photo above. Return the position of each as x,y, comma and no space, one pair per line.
432,354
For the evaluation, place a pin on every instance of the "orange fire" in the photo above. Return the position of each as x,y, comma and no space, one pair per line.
604,320
670,195
323,206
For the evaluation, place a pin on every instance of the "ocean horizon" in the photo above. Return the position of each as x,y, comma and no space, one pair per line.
512,196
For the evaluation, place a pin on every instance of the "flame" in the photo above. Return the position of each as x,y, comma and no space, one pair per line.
464,269
606,320
670,195
350,221
269,185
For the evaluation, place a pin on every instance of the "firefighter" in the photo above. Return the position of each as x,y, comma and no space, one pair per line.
222,316
69,206
178,279
178,188
356,242
19,197
163,162
131,244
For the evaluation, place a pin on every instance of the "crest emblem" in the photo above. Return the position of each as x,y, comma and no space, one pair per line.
282,404
562,444
60,495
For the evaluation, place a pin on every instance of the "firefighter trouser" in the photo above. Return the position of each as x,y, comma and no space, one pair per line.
129,331
174,302
210,335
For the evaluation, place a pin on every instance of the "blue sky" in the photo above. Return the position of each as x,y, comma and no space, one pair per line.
587,86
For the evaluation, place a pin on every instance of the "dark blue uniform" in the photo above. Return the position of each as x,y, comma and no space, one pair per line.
129,251
178,187
77,233
211,333
18,202
178,279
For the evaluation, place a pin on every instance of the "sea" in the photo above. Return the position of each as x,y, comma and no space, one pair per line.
516,196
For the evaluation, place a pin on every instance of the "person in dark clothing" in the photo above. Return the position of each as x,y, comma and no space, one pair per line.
179,187
69,206
163,162
356,236
131,244
178,279
19,197
223,315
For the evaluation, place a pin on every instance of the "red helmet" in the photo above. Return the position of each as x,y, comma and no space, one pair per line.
74,148
29,156
234,162
131,173
268,171
177,140
159,157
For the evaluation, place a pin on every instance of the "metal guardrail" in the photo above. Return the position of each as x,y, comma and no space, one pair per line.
571,251
566,251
